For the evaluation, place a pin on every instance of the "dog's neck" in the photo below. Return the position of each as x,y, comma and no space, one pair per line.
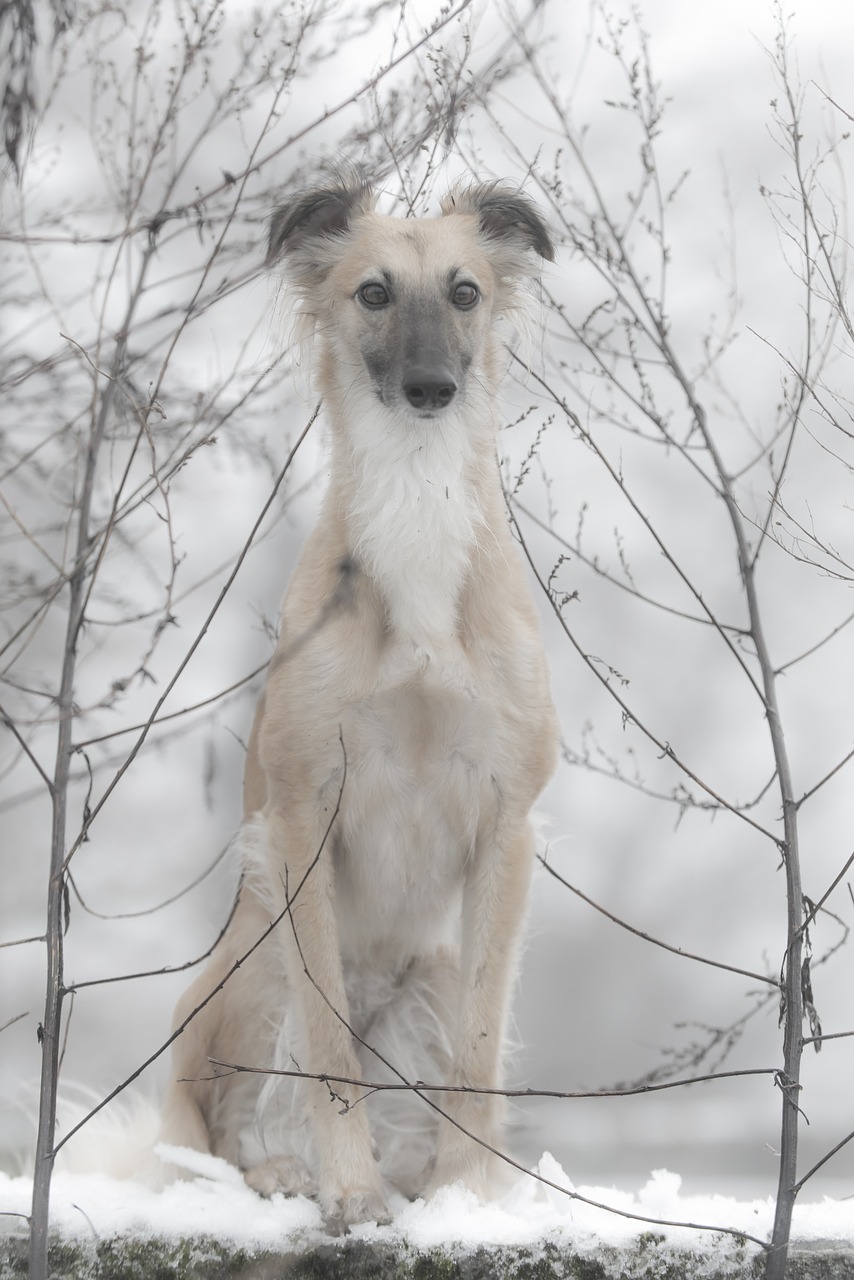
411,495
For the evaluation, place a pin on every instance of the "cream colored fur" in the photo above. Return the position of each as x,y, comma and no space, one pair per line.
409,689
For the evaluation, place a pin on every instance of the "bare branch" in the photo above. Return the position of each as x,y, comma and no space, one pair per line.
647,937
371,1086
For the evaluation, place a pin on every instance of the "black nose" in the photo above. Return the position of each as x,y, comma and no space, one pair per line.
429,388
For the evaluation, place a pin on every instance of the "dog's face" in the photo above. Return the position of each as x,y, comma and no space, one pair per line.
408,305
416,300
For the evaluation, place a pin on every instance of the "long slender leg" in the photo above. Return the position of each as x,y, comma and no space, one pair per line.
224,1013
350,1187
493,910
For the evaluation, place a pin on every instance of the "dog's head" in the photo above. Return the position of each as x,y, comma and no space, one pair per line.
408,305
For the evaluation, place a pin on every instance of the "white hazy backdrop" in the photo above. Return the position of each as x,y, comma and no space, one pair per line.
596,1005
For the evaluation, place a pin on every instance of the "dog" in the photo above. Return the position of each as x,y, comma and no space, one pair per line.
405,731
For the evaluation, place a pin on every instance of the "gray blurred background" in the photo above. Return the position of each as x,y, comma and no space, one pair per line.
597,1007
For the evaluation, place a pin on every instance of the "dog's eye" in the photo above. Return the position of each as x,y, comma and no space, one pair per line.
373,295
465,296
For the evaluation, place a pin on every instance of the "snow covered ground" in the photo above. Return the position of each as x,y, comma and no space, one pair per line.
213,1203
218,1204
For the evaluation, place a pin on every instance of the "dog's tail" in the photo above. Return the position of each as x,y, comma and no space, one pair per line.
120,1140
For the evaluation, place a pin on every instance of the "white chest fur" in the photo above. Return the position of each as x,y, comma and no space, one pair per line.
417,772
418,740
414,518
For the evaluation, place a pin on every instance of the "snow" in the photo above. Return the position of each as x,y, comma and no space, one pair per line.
216,1203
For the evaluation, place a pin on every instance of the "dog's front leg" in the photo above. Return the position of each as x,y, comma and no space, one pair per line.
350,1187
494,903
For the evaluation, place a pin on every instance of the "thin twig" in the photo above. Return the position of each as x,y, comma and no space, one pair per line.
25,747
849,1137
168,968
176,715
404,1086
241,960
10,1022
647,937
96,809
664,747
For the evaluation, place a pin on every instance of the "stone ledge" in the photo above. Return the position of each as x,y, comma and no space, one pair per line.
650,1258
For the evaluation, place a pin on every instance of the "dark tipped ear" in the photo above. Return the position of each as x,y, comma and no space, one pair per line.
327,211
504,215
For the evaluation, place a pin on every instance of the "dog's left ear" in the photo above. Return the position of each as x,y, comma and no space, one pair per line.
504,214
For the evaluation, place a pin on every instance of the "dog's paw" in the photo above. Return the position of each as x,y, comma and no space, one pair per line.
472,1170
286,1174
360,1206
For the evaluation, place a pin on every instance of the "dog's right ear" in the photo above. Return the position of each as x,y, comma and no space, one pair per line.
317,216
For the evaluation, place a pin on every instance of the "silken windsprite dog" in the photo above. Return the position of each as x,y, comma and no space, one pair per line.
404,733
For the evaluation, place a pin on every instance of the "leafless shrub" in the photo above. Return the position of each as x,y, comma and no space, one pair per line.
672,508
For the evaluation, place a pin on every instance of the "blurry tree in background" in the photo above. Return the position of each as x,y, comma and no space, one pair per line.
20,21
678,484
